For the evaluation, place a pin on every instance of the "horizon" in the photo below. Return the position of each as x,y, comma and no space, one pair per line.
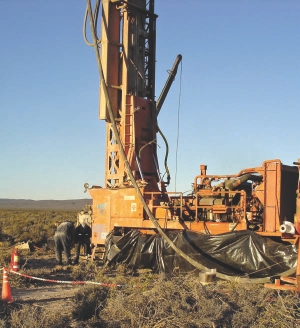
40,200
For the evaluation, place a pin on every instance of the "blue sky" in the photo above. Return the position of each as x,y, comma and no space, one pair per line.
236,94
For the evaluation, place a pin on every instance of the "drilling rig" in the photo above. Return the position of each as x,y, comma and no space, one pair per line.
262,200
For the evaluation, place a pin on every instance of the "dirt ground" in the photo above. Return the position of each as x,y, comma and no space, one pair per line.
53,297
56,297
239,305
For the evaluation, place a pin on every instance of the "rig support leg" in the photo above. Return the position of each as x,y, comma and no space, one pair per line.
293,284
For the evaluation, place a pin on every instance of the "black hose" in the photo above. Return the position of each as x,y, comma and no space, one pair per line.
134,183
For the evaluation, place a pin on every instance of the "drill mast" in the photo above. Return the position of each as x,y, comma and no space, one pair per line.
128,62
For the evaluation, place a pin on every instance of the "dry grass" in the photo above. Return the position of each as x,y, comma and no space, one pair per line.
142,299
159,301
162,301
29,316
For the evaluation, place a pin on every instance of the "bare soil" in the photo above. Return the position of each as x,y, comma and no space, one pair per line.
181,304
56,297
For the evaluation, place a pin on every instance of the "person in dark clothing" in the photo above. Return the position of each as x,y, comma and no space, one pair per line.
83,234
64,239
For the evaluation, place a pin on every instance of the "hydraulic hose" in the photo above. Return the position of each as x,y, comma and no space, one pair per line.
166,155
196,264
96,12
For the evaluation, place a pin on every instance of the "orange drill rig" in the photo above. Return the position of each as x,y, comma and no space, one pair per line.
134,196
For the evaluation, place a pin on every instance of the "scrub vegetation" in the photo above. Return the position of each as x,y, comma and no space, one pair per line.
36,226
125,297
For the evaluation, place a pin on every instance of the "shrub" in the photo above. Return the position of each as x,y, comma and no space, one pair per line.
29,316
89,302
33,225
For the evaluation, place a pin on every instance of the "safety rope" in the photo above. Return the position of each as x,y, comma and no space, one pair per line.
134,183
88,282
76,282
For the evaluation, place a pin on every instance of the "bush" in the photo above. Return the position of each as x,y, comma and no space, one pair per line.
29,316
33,225
89,302
142,299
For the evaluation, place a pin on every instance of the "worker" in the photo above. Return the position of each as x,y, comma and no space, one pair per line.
83,234
64,240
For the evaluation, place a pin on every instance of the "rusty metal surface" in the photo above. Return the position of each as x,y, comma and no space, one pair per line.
277,285
211,209
259,199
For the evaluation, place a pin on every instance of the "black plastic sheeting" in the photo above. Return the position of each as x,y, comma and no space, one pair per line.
237,253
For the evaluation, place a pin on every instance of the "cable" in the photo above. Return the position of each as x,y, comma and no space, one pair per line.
178,121
159,104
134,183
116,133
166,155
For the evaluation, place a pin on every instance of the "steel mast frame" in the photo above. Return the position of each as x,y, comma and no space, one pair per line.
128,60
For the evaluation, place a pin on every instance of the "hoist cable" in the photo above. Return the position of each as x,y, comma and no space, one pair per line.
159,104
178,125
